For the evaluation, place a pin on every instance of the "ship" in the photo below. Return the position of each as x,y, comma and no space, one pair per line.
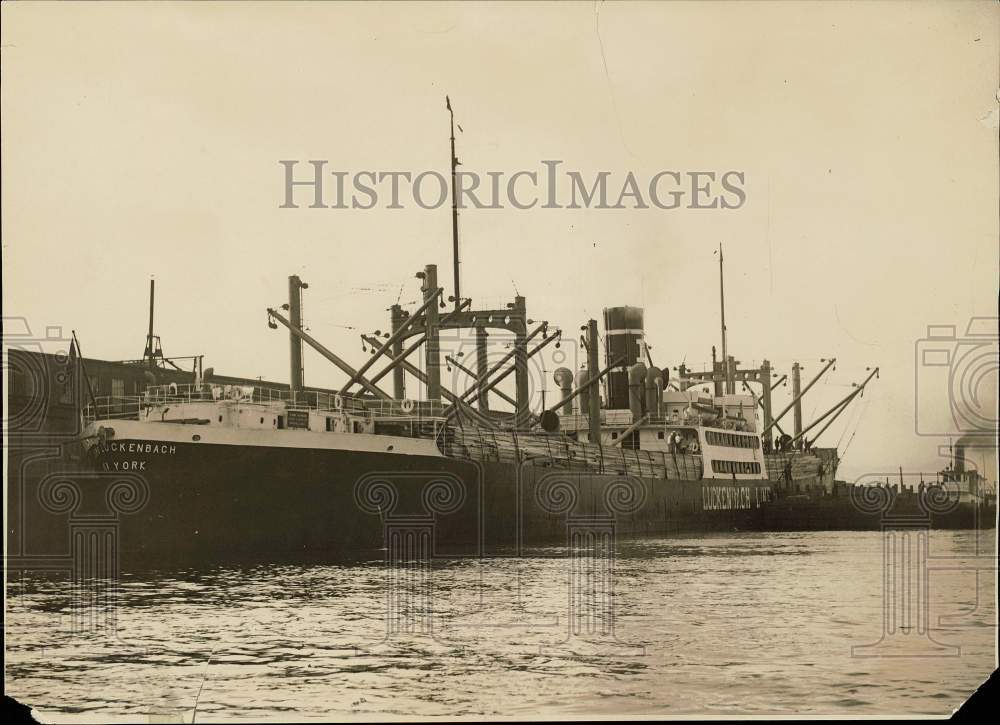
240,469
223,470
627,448
210,467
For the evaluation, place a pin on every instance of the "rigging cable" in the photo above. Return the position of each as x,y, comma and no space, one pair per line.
852,421
851,440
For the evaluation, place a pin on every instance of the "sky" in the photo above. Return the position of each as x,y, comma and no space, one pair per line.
145,139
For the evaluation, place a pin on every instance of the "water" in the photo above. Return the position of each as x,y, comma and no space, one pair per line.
714,626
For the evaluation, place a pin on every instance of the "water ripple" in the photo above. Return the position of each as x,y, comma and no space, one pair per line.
716,626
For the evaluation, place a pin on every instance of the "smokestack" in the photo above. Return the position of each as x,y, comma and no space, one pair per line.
623,338
958,450
958,458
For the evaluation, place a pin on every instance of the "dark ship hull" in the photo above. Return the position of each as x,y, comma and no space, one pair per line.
852,508
155,502
238,501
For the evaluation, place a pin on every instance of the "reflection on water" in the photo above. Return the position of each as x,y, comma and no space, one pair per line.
711,626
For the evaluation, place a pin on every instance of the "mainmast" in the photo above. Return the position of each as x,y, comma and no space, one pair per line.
148,355
729,388
454,202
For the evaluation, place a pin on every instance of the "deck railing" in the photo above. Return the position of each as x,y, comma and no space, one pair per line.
474,443
131,406
108,407
558,451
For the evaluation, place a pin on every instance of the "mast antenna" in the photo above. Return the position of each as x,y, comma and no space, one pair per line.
722,306
149,355
454,203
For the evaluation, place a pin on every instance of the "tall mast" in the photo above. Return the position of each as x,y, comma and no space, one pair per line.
454,202
295,287
149,335
722,305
